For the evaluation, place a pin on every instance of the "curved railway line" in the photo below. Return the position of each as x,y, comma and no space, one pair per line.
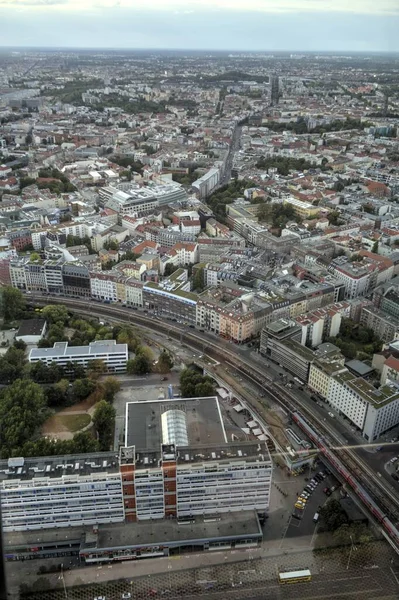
380,501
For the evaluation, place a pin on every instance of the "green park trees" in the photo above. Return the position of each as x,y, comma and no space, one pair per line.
110,386
193,384
104,423
333,515
12,303
165,362
22,411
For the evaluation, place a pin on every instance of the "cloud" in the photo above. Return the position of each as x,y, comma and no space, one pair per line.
260,6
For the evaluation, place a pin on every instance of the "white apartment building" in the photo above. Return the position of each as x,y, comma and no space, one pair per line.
35,277
113,355
60,491
103,286
193,227
18,274
134,293
53,276
37,239
208,316
188,478
207,183
321,376
355,280
373,411
187,253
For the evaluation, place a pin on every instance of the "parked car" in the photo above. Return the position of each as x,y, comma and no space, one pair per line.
299,505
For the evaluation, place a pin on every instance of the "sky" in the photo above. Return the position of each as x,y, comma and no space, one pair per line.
235,25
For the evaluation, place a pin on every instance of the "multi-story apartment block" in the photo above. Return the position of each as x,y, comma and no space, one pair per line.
390,370
384,325
185,478
207,183
113,355
61,491
76,280
103,286
355,277
18,273
134,292
281,341
53,276
35,276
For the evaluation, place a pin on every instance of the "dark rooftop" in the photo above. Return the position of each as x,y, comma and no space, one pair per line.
31,327
57,466
203,421
224,525
359,367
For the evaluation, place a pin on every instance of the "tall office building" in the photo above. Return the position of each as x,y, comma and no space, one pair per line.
275,92
177,467
184,465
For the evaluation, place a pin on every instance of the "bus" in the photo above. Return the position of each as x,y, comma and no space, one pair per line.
295,576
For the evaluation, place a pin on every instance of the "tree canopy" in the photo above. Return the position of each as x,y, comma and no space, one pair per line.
333,515
22,411
165,362
104,423
13,303
193,384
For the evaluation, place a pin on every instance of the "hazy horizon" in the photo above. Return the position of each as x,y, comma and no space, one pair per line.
200,25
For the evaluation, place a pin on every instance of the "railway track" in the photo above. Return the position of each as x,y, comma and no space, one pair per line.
217,349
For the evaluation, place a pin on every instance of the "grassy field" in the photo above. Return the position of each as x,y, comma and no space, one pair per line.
74,422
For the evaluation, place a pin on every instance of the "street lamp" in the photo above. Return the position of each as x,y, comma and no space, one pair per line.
353,547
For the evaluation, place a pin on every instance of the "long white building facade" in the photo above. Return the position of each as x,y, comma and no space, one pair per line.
113,355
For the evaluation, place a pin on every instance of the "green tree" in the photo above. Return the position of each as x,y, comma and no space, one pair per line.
111,245
22,412
56,314
139,365
333,515
198,280
104,423
359,533
193,384
375,247
165,362
19,345
95,367
169,269
126,335
81,388
13,303
58,394
110,387
41,373
13,365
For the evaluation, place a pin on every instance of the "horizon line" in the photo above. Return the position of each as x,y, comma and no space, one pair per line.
229,50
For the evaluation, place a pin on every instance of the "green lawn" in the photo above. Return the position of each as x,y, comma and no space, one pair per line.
74,422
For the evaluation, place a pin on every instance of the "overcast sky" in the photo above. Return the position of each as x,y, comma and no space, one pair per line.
331,25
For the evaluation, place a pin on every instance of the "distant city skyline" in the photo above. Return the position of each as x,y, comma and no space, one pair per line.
235,25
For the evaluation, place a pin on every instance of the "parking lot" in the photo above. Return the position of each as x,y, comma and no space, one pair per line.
301,526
